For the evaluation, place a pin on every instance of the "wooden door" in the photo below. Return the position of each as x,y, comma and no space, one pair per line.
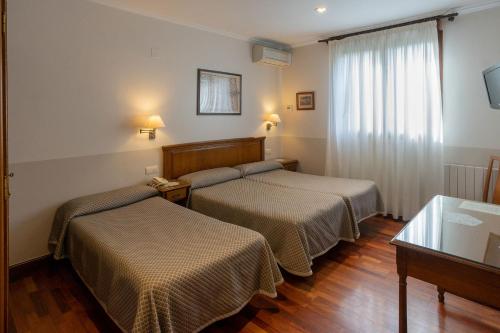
4,188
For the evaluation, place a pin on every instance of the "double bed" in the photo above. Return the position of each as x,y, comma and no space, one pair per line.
155,266
299,223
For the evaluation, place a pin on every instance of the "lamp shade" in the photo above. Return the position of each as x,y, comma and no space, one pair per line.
154,121
274,117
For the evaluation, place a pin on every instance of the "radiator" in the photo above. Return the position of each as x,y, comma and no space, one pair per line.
466,181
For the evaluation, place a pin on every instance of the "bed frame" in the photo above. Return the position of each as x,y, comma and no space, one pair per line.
181,159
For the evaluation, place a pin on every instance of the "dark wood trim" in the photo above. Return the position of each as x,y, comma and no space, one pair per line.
463,278
440,43
185,158
441,292
4,199
450,17
403,274
469,282
313,107
458,260
23,269
198,94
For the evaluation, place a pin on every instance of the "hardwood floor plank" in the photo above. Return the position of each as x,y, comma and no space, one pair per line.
69,322
11,326
60,300
354,289
39,304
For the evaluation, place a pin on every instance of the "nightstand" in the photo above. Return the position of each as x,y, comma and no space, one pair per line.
288,164
178,193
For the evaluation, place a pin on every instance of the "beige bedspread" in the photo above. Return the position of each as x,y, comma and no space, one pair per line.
362,196
159,267
298,225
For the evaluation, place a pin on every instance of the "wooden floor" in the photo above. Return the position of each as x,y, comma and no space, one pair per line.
354,289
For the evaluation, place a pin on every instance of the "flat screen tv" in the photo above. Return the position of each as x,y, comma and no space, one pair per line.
492,80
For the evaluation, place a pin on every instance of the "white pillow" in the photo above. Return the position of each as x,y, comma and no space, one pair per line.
210,177
258,167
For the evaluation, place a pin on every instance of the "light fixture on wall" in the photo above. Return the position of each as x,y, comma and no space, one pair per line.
272,119
320,10
151,124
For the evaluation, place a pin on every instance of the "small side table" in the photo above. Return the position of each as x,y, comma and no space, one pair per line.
178,193
288,163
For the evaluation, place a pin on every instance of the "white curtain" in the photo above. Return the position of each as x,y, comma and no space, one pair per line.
385,117
219,93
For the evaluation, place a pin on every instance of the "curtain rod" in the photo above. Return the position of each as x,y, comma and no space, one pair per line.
450,17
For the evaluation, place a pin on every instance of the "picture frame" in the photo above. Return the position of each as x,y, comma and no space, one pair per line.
305,101
218,93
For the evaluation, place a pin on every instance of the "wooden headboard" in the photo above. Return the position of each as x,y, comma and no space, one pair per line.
181,159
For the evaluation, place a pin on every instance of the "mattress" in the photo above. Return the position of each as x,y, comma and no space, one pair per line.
157,267
298,225
361,196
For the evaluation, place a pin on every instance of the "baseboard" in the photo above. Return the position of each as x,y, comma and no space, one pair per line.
20,270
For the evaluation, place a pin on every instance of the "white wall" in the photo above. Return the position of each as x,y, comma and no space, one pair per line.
309,72
304,132
78,67
78,73
470,126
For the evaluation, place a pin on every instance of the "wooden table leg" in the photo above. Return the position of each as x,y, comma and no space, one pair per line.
401,256
402,304
440,294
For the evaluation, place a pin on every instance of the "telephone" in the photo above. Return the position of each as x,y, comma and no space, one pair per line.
162,183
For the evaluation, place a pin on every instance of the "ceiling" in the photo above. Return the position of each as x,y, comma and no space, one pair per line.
293,22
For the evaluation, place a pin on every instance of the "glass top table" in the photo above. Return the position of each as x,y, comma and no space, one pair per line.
453,244
465,229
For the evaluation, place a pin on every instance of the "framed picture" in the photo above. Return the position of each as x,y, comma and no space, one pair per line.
305,100
219,93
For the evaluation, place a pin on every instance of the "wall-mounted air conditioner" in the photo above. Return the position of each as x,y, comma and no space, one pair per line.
270,56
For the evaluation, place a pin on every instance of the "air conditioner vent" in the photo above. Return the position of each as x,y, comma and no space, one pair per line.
270,56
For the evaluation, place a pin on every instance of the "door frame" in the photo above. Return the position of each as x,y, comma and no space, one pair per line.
4,180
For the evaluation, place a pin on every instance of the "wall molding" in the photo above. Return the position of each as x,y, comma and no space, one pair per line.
106,154
177,22
460,10
478,7
25,268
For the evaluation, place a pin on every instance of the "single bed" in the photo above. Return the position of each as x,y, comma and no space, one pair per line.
361,196
298,225
158,267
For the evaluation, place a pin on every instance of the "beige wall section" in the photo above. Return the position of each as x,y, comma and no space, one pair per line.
304,132
79,72
308,72
469,155
40,187
470,46
470,125
309,151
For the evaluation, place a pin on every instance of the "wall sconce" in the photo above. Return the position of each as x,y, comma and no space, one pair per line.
150,126
272,120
